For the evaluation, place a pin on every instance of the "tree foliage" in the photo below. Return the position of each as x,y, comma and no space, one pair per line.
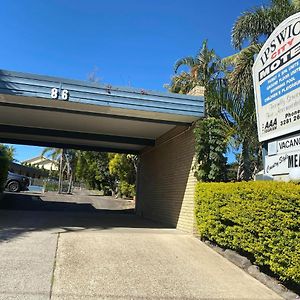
10,151
181,83
211,137
239,114
210,134
124,168
229,92
252,28
5,158
258,23
204,69
103,171
67,159
92,168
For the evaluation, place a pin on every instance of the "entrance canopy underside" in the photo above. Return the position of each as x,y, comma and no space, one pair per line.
93,117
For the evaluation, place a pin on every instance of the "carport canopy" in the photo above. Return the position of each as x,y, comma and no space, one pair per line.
48,111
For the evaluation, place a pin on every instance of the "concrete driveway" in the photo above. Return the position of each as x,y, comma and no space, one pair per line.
81,255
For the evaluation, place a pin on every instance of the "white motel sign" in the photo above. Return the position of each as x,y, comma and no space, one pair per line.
276,75
276,78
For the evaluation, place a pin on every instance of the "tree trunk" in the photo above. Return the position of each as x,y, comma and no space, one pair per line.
70,183
258,162
244,169
247,162
60,173
240,170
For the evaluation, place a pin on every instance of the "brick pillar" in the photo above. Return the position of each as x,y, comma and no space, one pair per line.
166,182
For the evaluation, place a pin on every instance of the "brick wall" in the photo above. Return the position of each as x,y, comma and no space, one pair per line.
166,183
197,91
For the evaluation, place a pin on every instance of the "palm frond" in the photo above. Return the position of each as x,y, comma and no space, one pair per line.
54,153
240,78
261,21
296,4
251,25
181,83
186,61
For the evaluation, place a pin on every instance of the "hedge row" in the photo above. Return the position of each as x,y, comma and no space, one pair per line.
4,163
261,219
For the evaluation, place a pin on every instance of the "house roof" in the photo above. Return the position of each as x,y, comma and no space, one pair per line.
39,159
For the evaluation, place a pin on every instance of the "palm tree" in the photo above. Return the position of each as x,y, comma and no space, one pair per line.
181,83
229,96
67,158
56,154
53,153
204,69
236,96
239,115
11,152
257,24
70,156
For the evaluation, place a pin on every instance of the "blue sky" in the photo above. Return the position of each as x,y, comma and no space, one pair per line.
130,42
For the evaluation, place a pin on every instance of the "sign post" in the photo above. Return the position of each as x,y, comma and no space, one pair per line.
276,77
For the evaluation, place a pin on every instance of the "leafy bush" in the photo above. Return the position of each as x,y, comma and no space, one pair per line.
92,169
4,163
51,186
126,189
261,219
211,139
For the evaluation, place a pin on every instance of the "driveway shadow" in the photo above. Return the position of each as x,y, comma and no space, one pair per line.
32,202
21,214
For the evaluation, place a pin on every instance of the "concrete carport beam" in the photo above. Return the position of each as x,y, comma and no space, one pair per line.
88,114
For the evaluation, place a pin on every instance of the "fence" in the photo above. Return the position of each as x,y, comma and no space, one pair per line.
51,185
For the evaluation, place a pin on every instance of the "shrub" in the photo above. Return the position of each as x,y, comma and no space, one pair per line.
126,189
261,219
4,163
51,186
211,140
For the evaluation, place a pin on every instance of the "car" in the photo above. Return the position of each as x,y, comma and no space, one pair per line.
16,182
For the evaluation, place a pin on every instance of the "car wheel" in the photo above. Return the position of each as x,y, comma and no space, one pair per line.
14,186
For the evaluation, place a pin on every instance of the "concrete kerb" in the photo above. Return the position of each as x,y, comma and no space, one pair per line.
253,270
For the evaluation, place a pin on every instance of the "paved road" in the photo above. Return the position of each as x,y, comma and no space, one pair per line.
85,255
51,201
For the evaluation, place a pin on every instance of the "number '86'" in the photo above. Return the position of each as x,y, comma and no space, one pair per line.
55,94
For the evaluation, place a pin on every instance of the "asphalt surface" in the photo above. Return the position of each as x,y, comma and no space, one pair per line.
54,254
82,201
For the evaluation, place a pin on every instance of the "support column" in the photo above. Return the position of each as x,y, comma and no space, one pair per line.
166,180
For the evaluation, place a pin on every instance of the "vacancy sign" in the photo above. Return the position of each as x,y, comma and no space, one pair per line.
283,155
276,76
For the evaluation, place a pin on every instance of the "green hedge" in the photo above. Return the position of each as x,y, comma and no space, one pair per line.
4,163
261,219
127,189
